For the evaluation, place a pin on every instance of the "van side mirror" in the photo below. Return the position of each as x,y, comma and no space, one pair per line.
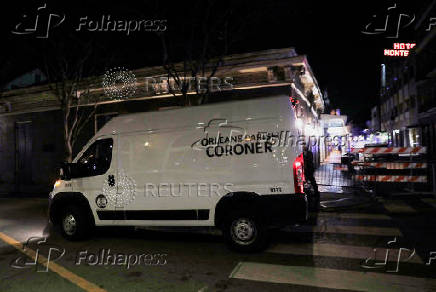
65,171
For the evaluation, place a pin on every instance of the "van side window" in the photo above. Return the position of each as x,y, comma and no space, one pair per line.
96,160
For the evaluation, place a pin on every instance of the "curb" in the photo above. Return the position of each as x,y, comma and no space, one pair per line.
347,201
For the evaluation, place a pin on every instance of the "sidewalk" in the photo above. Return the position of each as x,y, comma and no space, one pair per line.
24,195
333,201
329,174
337,188
333,157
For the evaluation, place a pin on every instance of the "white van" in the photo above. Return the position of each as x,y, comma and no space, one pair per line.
229,165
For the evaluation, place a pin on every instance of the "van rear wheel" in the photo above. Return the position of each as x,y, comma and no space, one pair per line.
74,223
245,233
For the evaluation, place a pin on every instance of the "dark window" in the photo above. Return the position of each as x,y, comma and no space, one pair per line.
96,160
2,133
23,153
412,101
48,147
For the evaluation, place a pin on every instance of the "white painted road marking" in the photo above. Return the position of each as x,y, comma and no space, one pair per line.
362,230
343,251
355,216
398,207
330,278
429,201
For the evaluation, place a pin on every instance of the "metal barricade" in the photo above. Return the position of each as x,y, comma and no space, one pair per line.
391,169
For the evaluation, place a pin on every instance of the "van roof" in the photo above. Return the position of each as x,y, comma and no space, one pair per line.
195,115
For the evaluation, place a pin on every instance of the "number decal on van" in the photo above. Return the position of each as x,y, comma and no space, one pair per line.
276,190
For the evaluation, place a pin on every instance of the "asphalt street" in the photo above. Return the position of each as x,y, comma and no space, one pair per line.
383,245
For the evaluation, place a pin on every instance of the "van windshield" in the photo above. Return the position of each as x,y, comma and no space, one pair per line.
96,159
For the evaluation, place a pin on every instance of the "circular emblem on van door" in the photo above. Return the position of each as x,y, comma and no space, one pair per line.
101,201
120,193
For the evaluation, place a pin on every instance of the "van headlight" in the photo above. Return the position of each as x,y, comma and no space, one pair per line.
57,183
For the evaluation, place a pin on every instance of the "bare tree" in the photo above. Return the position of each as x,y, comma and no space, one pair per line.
66,67
205,40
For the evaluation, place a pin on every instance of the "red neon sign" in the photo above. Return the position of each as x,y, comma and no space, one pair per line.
399,50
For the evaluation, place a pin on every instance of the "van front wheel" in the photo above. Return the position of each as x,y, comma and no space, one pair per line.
74,223
245,233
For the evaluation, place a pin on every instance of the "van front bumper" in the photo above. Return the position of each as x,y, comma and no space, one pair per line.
284,209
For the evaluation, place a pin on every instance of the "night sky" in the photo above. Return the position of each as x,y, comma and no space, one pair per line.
345,61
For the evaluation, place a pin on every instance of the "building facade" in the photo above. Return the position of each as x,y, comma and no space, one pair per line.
31,121
335,135
407,104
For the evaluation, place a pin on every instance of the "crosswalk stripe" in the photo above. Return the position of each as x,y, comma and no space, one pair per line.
398,207
362,230
343,251
430,201
330,278
355,216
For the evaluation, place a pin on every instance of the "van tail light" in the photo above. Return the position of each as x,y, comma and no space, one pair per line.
298,168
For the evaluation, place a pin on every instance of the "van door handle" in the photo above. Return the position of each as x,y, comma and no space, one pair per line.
111,180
